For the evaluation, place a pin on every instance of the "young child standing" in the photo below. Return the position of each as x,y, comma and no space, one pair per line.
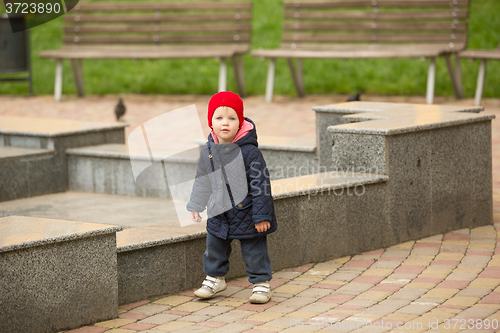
249,220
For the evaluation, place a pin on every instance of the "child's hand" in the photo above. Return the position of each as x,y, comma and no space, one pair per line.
262,226
195,217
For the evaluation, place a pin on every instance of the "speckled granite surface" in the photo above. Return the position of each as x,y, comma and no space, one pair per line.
323,182
19,232
437,157
47,127
60,274
457,269
32,175
125,211
120,151
397,118
8,152
156,235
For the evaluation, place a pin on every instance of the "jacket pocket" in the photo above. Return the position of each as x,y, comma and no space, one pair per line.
245,204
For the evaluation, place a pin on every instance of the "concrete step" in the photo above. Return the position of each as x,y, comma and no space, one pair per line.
27,172
127,212
56,133
287,157
47,171
51,265
108,168
157,256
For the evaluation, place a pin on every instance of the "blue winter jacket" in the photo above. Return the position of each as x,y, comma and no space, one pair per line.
232,181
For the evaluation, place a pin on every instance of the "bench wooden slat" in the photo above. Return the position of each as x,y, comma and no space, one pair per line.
378,3
396,15
162,6
106,51
150,18
148,54
157,39
155,48
481,54
398,26
346,47
155,28
355,51
406,38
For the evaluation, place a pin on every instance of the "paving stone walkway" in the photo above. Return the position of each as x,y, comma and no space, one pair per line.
445,283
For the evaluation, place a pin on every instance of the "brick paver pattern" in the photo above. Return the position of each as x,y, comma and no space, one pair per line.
451,291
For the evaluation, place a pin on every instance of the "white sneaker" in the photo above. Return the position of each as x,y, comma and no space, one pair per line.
261,292
211,286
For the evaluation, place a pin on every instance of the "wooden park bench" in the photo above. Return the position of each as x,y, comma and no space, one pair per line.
367,29
483,56
141,30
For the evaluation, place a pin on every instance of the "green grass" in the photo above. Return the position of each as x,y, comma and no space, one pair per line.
200,76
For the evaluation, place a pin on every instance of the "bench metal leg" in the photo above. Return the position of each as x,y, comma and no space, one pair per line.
76,65
457,87
238,73
270,80
431,80
223,74
30,67
297,75
58,85
458,75
480,82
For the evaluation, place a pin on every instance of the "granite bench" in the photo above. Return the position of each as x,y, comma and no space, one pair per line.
311,210
437,157
107,168
423,170
386,179
33,152
22,171
164,258
56,274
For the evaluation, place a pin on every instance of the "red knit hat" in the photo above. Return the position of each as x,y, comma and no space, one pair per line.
225,98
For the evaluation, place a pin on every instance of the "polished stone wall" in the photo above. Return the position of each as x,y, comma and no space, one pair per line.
324,142
320,217
31,176
440,180
56,275
425,172
27,172
437,158
107,169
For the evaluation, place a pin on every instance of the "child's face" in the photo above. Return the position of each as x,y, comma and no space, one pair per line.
225,124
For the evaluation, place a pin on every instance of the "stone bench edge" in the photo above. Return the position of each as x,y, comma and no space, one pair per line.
409,129
313,190
61,134
52,240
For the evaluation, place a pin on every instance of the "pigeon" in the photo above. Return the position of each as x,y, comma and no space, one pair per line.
355,98
120,109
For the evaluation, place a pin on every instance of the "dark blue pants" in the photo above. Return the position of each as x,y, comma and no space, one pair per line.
254,253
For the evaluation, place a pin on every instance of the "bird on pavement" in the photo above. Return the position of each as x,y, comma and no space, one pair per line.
355,98
120,109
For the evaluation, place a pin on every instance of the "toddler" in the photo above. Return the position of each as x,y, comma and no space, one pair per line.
232,181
